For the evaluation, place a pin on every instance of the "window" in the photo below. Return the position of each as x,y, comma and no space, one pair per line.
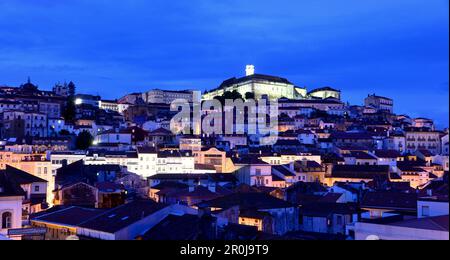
339,220
425,211
6,220
36,188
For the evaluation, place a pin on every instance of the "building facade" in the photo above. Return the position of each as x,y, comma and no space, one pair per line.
380,103
158,96
260,85
422,139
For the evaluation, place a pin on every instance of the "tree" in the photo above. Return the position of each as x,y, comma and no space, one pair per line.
64,132
71,87
69,111
229,95
84,140
232,95
249,95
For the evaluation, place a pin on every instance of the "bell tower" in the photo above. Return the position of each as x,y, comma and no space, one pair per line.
249,70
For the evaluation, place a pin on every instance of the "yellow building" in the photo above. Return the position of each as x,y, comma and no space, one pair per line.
216,158
34,164
259,219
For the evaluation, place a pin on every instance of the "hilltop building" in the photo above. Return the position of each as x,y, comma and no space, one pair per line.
380,103
260,85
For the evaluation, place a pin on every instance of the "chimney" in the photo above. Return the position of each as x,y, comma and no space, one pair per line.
249,70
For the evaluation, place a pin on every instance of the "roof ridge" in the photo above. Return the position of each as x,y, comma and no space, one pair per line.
58,211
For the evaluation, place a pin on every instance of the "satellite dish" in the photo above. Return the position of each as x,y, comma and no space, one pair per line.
73,238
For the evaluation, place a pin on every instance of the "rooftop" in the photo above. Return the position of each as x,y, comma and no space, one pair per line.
72,216
360,171
390,200
251,200
324,89
439,223
118,218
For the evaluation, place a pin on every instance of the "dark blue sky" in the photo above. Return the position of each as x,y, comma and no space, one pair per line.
394,48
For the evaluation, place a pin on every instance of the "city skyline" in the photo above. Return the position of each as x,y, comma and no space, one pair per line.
400,52
239,121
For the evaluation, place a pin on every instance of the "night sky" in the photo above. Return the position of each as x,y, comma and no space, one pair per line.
393,48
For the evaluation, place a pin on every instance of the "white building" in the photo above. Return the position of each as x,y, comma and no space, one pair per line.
395,142
442,160
283,159
51,109
325,92
114,137
388,157
444,145
431,224
433,228
329,105
422,139
260,85
380,103
423,122
35,124
147,162
158,96
59,159
6,105
253,172
20,193
432,207
11,197
111,105
175,162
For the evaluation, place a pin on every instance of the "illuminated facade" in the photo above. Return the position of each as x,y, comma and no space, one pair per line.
260,85
324,93
34,164
158,96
